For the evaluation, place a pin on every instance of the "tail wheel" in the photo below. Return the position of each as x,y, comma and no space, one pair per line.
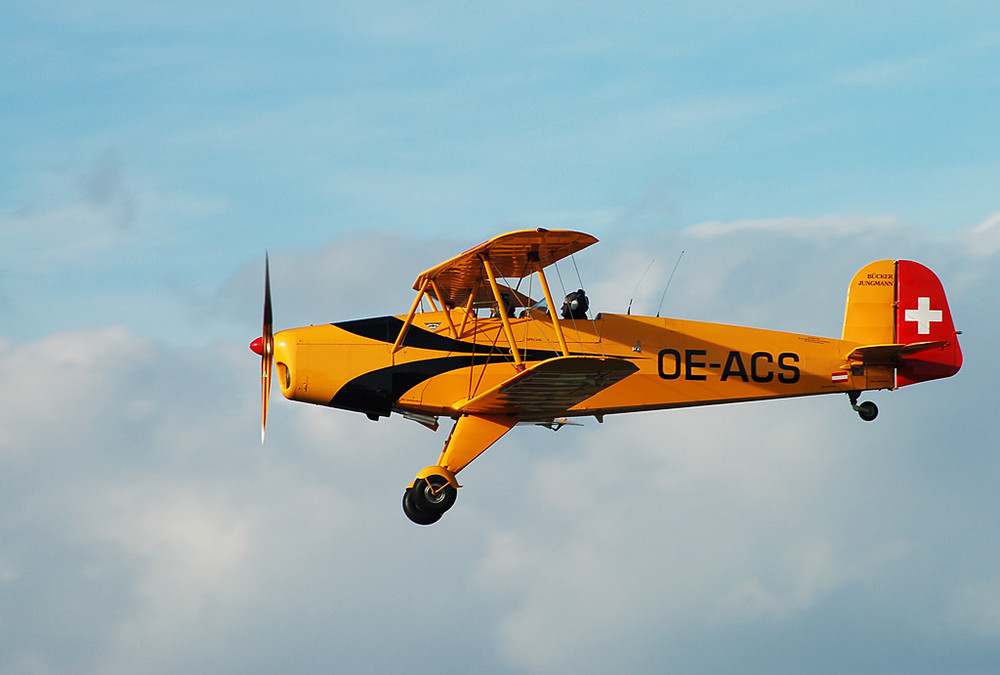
867,411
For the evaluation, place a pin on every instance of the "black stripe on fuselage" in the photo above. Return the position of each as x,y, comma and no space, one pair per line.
374,392
386,329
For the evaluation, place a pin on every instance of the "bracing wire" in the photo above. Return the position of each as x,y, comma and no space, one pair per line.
590,314
628,311
563,285
669,279
579,279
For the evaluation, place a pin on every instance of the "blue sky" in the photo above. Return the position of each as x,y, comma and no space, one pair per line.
153,151
204,134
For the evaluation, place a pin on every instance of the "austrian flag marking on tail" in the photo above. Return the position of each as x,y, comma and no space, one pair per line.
840,376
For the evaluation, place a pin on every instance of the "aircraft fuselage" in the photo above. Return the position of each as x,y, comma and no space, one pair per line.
351,364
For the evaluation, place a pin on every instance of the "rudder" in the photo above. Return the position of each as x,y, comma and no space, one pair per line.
922,315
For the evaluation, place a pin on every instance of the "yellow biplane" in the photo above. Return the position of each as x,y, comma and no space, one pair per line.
489,356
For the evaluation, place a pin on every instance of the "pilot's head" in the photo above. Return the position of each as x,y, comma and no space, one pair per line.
508,306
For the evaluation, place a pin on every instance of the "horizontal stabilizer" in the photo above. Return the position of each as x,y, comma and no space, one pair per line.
549,388
890,355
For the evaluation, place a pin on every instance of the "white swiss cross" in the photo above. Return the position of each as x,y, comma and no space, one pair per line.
923,315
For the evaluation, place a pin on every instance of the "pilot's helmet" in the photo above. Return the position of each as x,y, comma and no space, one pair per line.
575,305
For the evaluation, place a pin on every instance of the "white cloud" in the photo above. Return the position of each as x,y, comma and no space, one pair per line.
143,526
983,240
824,226
887,73
975,608
711,529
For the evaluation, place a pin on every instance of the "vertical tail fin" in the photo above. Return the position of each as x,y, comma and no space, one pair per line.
902,302
870,318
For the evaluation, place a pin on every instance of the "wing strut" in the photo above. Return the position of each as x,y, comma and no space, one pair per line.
409,317
501,310
445,308
552,310
468,308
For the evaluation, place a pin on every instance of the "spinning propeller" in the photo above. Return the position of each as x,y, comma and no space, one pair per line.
264,346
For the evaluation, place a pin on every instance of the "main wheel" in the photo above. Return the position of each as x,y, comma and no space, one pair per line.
434,494
867,411
415,514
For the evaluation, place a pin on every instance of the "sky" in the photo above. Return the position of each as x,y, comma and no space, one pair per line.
153,151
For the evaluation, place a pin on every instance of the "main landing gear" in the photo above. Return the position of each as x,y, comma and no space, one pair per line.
435,488
866,409
427,499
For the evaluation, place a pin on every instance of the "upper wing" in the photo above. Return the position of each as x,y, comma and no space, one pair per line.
512,255
550,388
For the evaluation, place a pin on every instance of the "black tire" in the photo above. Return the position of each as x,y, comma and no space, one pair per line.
867,411
433,495
415,514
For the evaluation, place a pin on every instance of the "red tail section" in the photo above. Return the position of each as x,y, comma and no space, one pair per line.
922,315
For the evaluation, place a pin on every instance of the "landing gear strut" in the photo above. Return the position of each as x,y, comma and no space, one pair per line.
428,498
866,409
